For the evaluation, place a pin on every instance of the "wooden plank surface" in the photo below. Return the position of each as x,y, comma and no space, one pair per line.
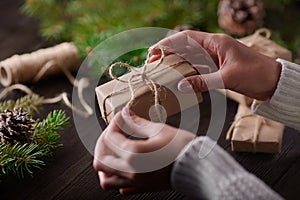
69,174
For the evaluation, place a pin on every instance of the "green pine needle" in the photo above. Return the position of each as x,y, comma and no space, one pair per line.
28,103
46,132
18,159
22,159
89,22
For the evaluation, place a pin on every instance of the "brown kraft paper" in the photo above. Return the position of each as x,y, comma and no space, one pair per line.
253,133
114,95
260,41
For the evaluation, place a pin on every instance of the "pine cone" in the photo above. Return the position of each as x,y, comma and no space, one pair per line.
241,17
15,126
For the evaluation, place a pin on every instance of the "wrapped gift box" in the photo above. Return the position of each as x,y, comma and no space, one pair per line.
260,41
238,97
253,133
114,95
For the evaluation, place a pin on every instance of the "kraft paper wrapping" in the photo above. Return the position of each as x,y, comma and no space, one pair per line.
238,97
117,93
253,133
260,41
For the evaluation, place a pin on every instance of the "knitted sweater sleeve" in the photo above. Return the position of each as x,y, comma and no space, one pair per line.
205,171
284,106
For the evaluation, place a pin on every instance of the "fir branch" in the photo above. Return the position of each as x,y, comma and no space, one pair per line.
28,103
86,22
78,21
46,132
20,159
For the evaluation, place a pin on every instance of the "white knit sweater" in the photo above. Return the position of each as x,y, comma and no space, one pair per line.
284,106
218,175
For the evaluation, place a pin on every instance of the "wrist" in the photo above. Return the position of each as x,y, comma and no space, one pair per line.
284,105
202,167
275,76
269,72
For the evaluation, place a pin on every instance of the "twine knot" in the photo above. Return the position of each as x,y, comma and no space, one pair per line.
139,77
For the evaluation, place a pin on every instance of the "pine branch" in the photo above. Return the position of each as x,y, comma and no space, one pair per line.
21,159
87,23
28,103
78,21
46,132
18,159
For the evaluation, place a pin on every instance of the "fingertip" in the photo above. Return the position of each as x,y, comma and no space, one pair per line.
202,69
185,86
128,191
96,165
154,58
155,51
126,112
122,191
116,118
132,120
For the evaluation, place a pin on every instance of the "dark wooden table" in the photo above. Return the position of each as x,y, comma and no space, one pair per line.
69,174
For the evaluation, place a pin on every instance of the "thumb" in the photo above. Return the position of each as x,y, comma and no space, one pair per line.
138,126
201,83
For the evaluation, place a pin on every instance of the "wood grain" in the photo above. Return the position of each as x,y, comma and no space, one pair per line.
69,174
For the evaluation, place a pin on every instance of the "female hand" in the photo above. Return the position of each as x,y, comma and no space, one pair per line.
241,68
137,165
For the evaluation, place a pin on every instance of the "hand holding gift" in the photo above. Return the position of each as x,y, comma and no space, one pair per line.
150,91
135,166
242,70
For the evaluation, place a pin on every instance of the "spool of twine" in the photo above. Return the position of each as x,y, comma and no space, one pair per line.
31,67
26,68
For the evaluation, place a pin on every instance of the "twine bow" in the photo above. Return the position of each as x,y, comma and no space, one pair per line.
144,78
258,125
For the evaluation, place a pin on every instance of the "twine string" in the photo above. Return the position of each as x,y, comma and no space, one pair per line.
258,33
139,77
258,125
80,85
257,41
21,87
31,67
44,70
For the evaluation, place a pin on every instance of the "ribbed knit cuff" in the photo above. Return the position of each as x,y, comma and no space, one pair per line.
284,106
246,186
205,171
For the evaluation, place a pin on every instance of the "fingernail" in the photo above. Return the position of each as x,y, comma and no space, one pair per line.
126,111
203,69
185,86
